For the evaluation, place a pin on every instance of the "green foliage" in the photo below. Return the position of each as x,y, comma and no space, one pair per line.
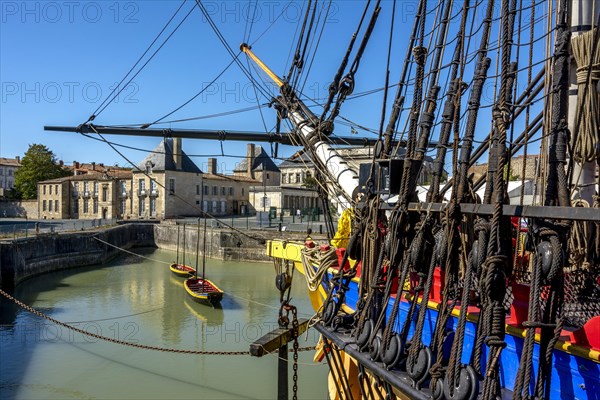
309,182
38,164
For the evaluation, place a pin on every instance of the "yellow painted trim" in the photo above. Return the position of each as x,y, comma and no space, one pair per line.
293,250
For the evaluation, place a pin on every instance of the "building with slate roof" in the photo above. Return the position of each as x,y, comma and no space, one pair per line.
166,183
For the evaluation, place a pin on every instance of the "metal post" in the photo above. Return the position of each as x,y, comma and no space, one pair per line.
282,373
584,14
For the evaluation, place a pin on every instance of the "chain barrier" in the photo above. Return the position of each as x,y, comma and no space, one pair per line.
137,345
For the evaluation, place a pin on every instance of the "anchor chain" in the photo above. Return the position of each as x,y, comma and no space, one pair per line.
131,344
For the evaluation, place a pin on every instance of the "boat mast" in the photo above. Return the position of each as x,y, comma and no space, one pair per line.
197,247
203,250
584,17
177,257
183,252
345,178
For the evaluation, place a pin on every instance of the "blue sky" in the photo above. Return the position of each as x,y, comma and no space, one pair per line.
60,60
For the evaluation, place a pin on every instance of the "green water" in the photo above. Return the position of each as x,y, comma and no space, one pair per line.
139,300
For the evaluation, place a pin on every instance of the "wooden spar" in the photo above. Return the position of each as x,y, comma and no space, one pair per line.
275,339
584,14
203,248
183,251
281,138
177,259
197,248
346,178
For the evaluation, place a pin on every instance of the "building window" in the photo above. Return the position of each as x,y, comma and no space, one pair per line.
76,187
152,186
231,191
95,205
123,206
198,190
142,209
56,205
104,193
297,177
223,207
44,205
44,189
205,204
153,206
75,207
124,188
50,189
242,191
56,189
10,172
268,175
215,190
49,205
206,190
142,184
214,206
222,190
172,185
86,206
283,176
85,188
95,188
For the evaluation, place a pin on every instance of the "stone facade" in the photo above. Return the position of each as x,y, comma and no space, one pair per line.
93,195
8,167
532,167
225,194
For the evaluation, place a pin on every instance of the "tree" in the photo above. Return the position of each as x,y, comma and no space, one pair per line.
38,164
310,182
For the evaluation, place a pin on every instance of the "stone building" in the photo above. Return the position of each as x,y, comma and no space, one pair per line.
532,167
8,167
166,184
298,185
92,195
258,166
225,194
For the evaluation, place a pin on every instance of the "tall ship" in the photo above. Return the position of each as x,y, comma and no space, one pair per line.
455,289
466,260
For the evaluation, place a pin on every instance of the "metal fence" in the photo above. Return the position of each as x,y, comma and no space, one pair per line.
15,228
266,221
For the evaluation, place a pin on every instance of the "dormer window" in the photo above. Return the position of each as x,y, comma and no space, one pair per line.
149,166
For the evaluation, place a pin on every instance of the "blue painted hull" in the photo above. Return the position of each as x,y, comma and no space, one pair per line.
573,377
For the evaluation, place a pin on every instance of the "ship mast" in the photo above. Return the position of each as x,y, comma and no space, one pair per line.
305,123
584,18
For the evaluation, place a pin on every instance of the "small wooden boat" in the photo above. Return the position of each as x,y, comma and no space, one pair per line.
182,270
203,291
199,288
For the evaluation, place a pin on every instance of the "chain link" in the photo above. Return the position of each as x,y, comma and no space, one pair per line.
295,348
145,346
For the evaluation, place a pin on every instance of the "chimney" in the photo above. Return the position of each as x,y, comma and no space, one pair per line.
212,166
251,148
93,166
177,157
18,158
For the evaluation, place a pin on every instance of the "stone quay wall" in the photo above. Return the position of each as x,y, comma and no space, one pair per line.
23,258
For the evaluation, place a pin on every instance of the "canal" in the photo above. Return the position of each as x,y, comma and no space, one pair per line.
139,300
